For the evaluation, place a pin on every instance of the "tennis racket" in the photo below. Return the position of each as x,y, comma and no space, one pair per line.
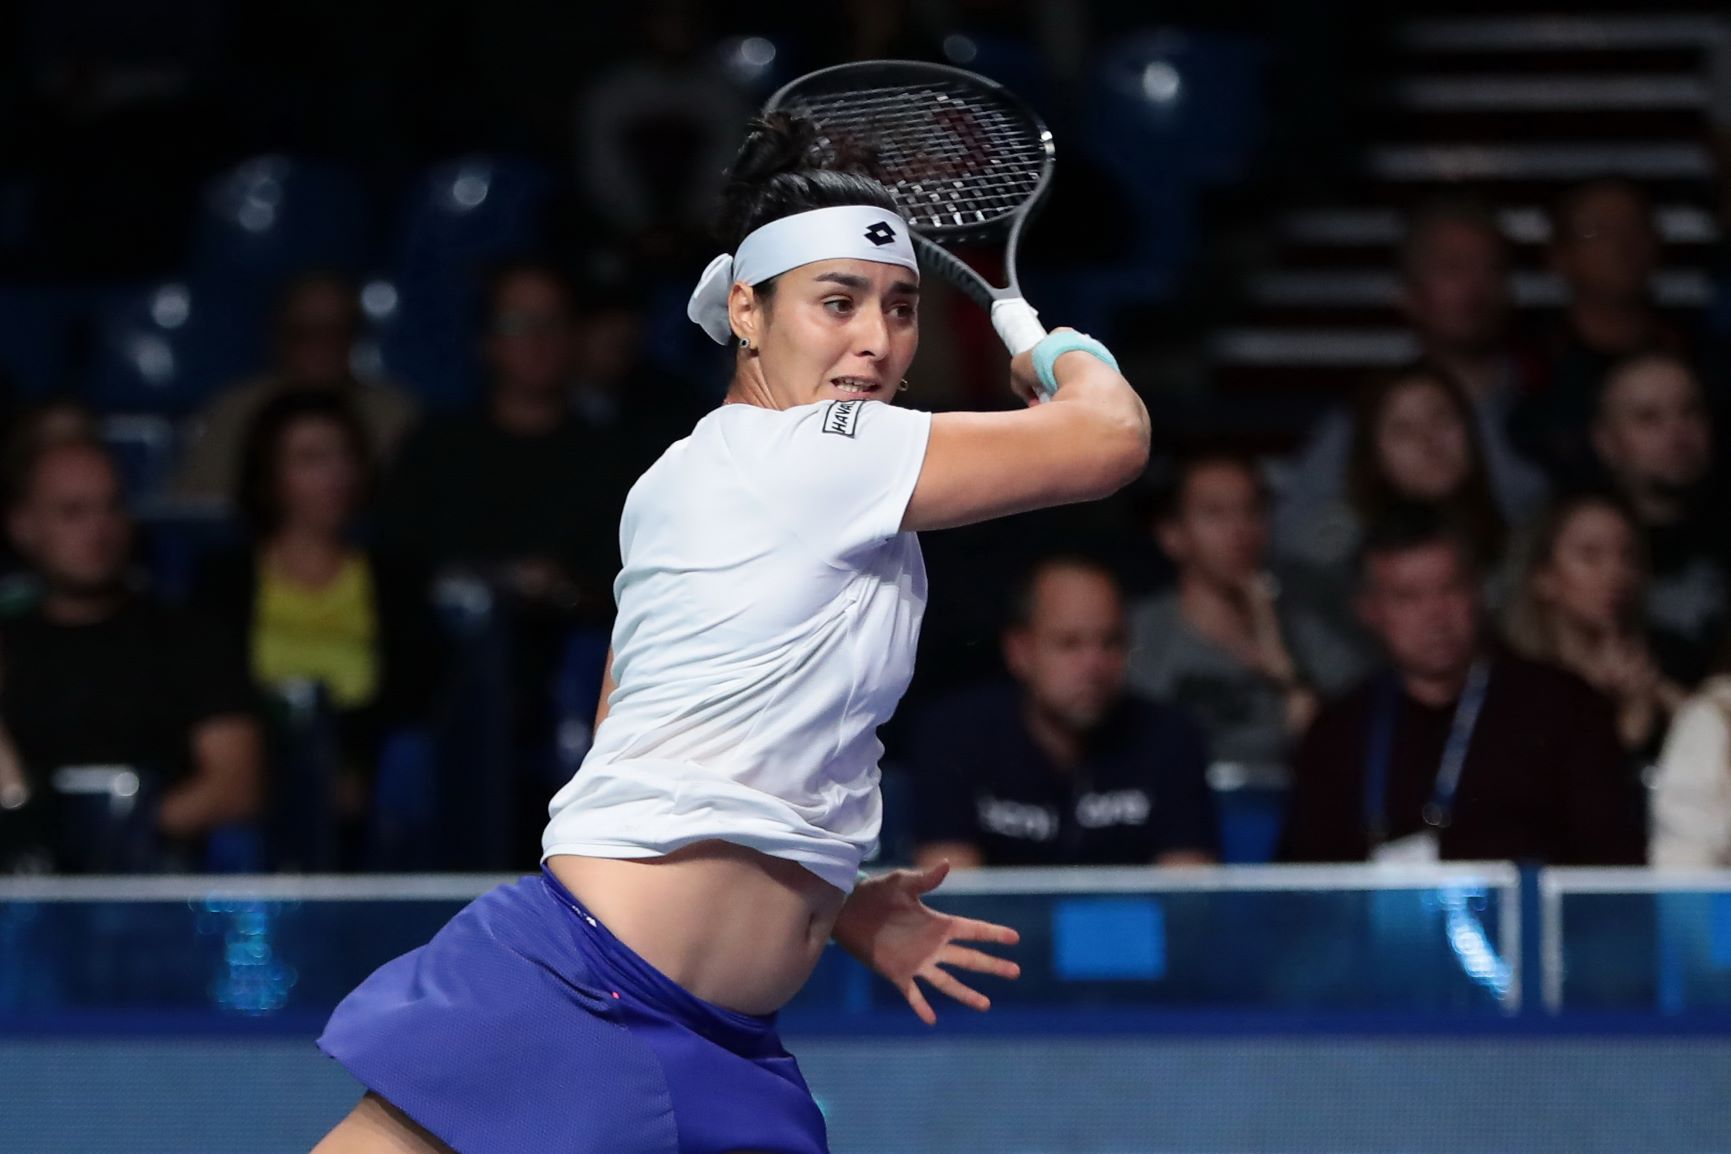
966,160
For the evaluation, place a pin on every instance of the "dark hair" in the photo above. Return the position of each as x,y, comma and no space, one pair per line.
1020,609
1569,201
1434,214
1169,503
1472,506
1409,525
261,456
784,168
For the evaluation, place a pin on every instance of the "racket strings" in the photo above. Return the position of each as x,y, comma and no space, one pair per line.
953,158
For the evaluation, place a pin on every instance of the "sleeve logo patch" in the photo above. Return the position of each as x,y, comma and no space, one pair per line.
840,417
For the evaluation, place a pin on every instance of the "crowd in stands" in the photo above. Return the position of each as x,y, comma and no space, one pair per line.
1479,613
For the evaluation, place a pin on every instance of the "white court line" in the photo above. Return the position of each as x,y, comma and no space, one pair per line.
1065,880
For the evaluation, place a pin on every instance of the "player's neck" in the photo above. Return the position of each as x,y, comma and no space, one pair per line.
749,388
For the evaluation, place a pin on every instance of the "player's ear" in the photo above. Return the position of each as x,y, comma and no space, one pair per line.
745,313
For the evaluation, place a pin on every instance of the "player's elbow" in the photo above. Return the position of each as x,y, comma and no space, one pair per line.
1119,452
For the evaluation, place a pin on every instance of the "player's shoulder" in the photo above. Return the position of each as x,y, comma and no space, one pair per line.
831,422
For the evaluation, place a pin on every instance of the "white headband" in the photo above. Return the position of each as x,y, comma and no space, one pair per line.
849,231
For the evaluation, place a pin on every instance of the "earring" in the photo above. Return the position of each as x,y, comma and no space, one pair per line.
903,387
744,343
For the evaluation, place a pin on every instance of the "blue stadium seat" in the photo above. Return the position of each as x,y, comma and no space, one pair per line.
402,834
576,693
164,348
1251,818
461,218
38,330
272,217
1180,101
467,213
426,340
143,446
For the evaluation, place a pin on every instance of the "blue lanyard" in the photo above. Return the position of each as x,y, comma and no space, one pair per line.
1439,810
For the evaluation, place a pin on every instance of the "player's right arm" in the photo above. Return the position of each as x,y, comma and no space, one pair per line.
1087,442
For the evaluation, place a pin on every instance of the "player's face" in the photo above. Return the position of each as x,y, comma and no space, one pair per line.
839,330
1423,604
1070,658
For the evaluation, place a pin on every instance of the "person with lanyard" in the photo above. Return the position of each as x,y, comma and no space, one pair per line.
696,866
1461,749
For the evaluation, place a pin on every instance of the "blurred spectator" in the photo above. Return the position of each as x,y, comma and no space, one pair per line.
1454,272
656,131
1605,246
1246,664
1064,767
27,434
521,491
1461,750
97,675
316,324
314,607
1413,439
1654,440
615,391
1578,603
1691,823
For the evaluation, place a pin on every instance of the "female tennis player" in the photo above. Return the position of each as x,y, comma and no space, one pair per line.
623,1001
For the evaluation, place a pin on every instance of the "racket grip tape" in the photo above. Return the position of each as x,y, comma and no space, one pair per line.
1047,352
1018,324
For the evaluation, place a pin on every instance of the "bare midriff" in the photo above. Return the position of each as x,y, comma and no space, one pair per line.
731,925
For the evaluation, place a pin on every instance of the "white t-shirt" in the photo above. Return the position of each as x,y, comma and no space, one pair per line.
769,606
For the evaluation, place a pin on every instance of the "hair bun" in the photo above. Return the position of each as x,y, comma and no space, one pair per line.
775,142
786,165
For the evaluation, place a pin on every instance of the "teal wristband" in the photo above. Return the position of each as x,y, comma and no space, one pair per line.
1055,345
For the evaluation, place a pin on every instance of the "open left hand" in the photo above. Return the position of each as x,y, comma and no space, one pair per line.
887,926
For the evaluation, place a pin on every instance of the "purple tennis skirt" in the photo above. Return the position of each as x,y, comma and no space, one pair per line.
524,1025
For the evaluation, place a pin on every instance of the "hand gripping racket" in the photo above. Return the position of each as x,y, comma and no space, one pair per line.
965,159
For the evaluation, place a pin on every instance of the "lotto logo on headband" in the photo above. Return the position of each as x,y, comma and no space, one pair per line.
880,233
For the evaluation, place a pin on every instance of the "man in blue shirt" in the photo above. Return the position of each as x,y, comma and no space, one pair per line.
1063,767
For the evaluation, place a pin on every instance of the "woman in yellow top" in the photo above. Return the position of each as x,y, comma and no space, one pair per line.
313,606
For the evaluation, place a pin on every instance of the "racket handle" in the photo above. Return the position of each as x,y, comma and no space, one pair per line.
1018,324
